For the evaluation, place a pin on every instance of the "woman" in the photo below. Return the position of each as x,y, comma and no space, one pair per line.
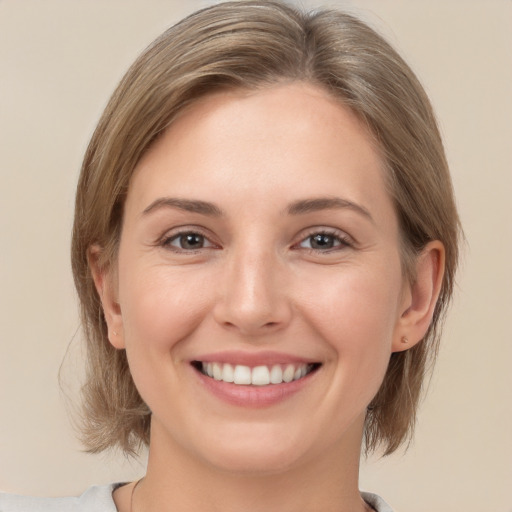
265,243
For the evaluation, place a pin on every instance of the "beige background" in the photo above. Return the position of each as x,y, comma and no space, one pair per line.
60,60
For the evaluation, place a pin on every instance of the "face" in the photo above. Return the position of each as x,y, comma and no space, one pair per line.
259,285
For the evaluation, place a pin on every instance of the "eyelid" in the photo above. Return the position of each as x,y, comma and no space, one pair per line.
169,241
171,234
344,239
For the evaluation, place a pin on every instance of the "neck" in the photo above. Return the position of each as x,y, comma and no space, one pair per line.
178,481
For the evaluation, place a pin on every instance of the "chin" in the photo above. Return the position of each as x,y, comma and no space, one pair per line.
261,451
253,462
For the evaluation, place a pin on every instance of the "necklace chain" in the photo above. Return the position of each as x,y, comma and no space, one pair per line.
368,507
133,492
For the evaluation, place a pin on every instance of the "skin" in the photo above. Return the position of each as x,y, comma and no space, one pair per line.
256,282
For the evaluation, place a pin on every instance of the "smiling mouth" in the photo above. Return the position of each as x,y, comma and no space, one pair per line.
255,376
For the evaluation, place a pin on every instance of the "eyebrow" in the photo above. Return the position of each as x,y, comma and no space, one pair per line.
300,207
304,206
187,205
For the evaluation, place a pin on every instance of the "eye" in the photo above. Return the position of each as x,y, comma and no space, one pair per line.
324,241
187,241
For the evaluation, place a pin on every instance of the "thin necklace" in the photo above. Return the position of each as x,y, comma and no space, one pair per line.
367,506
133,492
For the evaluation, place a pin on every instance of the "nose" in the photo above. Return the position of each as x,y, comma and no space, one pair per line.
253,297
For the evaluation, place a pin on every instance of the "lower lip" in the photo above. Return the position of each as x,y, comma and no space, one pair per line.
253,396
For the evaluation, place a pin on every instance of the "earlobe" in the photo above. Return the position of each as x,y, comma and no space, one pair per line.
421,297
105,282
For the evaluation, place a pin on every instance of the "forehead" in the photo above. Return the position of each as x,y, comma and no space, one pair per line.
295,137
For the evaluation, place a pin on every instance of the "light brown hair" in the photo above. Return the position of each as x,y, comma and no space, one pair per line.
254,44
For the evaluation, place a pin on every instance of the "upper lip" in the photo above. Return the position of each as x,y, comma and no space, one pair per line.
253,358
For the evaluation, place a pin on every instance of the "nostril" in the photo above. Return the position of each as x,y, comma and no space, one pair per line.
252,317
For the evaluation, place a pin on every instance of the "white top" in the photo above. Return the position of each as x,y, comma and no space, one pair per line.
99,499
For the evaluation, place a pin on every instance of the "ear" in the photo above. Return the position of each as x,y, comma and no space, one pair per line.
105,280
420,297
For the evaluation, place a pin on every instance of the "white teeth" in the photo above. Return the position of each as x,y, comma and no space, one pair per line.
228,373
258,376
276,374
288,373
242,375
217,371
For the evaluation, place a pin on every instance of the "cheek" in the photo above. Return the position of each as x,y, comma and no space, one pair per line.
355,300
161,307
356,311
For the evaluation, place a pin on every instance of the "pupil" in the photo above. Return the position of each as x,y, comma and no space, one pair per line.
322,241
191,241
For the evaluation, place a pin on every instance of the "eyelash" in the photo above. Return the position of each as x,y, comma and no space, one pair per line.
168,239
339,238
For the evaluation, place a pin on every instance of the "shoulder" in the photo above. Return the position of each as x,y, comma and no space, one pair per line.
376,502
95,499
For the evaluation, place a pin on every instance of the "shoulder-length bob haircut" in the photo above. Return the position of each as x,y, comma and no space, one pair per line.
253,45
